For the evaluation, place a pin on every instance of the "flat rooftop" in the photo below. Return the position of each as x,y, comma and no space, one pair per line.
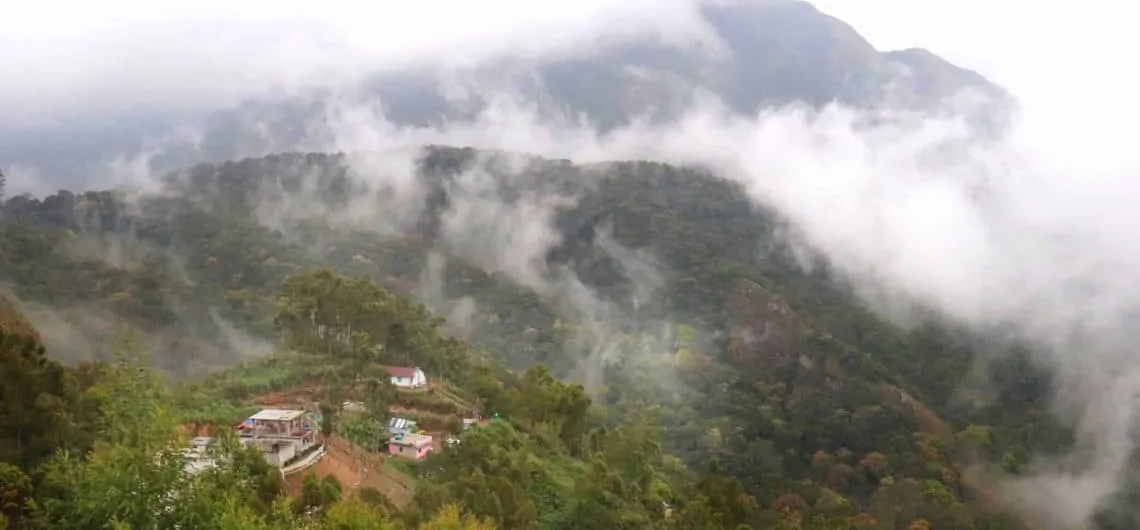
277,415
411,440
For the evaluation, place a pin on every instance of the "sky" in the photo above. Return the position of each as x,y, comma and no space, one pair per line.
1064,60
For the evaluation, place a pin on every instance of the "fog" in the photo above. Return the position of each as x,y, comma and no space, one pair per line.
72,60
1031,232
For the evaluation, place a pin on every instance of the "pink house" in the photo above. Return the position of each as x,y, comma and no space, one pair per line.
414,446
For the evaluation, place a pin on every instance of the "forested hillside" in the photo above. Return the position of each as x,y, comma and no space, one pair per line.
708,381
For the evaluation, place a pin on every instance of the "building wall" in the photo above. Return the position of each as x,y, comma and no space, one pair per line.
276,428
284,453
287,448
417,453
417,380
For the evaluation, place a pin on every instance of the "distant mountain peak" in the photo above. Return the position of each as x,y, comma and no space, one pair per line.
775,53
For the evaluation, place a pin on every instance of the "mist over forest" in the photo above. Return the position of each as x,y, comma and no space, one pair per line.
731,267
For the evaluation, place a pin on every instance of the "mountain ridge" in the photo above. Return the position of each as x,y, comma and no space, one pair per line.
779,53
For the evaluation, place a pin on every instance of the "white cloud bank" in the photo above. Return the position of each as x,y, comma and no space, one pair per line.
80,59
908,209
990,234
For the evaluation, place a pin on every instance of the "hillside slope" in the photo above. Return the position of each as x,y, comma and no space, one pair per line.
639,280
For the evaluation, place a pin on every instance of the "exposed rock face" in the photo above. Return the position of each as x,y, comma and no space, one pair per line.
762,325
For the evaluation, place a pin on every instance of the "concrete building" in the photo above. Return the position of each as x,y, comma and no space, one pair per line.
198,458
281,435
413,446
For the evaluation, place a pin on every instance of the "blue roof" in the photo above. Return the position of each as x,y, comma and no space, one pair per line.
401,424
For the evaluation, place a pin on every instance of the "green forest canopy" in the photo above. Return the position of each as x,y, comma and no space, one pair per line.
837,420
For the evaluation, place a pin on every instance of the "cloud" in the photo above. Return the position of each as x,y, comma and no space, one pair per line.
907,209
24,179
988,237
130,57
1034,232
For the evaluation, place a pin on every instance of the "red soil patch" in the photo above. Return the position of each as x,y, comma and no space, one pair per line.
290,398
355,468
191,430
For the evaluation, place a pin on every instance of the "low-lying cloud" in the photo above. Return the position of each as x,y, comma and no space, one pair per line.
125,56
906,209
1032,232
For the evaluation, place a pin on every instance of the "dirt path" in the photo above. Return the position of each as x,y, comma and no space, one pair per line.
291,398
354,468
928,422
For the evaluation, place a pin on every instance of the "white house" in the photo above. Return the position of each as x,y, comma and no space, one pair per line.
407,376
